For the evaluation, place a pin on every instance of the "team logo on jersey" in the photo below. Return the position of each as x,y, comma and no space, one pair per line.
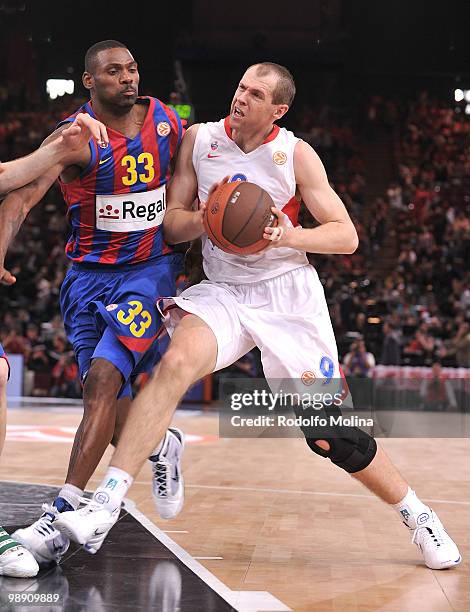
279,158
308,377
237,178
163,128
111,307
108,212
214,145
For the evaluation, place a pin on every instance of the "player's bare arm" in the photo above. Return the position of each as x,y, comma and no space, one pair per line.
336,234
13,212
181,223
18,203
73,138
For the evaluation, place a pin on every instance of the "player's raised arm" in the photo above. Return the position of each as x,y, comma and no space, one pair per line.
19,172
336,234
73,142
181,223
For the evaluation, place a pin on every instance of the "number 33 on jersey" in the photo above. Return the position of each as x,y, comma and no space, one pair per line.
117,205
135,323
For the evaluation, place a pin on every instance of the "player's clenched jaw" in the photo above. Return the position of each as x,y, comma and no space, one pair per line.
113,80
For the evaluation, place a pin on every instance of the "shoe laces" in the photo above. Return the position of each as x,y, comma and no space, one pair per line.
44,524
90,505
161,470
436,534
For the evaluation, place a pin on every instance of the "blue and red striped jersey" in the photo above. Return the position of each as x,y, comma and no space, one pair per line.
116,205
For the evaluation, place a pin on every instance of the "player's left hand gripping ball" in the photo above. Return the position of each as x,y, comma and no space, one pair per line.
277,235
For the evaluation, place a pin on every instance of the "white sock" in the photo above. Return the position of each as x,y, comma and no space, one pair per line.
412,510
71,494
113,488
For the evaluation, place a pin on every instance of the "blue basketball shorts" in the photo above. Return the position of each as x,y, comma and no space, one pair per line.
111,314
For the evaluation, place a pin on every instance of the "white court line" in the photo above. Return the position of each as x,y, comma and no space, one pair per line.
295,492
34,402
207,558
320,493
26,399
455,502
242,601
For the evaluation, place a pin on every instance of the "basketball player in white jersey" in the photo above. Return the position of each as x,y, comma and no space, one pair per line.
272,299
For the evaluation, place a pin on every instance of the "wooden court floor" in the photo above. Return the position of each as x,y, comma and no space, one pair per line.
266,515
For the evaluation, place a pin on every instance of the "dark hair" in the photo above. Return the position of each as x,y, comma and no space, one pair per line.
284,91
90,55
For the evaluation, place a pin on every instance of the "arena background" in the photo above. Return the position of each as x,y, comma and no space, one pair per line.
384,98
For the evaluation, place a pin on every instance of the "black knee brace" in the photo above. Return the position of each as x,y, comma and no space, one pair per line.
350,448
352,454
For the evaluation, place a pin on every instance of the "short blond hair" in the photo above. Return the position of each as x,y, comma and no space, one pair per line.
284,92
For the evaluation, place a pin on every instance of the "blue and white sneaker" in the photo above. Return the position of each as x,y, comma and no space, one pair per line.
41,538
167,481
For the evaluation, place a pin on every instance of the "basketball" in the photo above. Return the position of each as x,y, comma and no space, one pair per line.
236,216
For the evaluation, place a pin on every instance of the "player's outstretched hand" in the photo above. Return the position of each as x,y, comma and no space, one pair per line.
82,130
6,277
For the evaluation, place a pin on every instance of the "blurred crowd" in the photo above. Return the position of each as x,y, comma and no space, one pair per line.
428,292
415,313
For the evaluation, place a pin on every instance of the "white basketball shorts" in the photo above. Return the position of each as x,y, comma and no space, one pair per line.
286,317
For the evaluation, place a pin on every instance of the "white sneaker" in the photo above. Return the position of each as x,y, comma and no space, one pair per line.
167,481
89,525
438,548
15,560
42,538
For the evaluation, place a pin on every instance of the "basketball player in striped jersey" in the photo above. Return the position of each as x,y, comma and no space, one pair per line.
15,560
116,201
272,299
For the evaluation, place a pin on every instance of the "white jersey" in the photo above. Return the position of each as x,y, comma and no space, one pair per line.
271,166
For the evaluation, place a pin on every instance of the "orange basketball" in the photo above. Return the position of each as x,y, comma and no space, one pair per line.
236,216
